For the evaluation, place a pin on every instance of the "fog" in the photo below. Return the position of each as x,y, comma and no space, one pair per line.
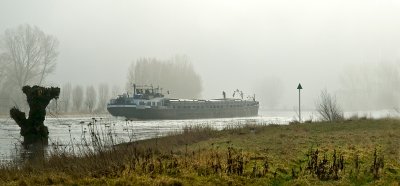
261,47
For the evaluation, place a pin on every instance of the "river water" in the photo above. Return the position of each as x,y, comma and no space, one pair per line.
64,131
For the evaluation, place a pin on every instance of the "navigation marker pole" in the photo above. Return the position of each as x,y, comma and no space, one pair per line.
299,88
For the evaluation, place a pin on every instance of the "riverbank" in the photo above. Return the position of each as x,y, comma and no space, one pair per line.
358,151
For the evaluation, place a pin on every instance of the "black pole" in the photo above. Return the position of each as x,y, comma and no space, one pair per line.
299,108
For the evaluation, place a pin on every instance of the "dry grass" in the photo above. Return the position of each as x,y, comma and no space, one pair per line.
352,152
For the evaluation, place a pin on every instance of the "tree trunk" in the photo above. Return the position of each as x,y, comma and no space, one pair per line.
33,129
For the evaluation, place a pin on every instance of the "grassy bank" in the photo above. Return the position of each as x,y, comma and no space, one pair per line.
349,152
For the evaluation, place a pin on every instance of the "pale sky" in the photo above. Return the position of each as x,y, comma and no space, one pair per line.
232,44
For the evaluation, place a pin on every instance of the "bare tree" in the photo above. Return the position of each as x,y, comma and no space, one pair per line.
30,54
90,101
116,90
53,107
2,70
176,75
270,91
77,98
65,97
4,100
103,97
328,108
376,82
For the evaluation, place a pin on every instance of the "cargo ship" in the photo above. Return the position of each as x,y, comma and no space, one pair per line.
149,103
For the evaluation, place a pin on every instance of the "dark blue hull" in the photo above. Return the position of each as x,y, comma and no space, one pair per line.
183,113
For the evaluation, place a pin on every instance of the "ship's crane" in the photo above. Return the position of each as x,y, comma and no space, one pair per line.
237,91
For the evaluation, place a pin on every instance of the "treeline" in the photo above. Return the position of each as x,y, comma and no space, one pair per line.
176,75
372,86
80,99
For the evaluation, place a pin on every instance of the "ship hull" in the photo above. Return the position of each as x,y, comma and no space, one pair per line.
173,113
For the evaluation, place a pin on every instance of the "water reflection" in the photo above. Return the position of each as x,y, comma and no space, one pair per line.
72,134
34,153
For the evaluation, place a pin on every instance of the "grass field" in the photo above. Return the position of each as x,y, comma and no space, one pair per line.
351,152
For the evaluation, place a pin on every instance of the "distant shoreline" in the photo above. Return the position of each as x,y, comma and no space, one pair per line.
69,115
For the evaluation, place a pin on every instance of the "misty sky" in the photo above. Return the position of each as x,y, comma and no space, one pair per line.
232,44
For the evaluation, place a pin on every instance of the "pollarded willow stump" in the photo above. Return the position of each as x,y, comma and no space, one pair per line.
32,128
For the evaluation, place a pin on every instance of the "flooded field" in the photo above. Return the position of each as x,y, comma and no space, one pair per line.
65,131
